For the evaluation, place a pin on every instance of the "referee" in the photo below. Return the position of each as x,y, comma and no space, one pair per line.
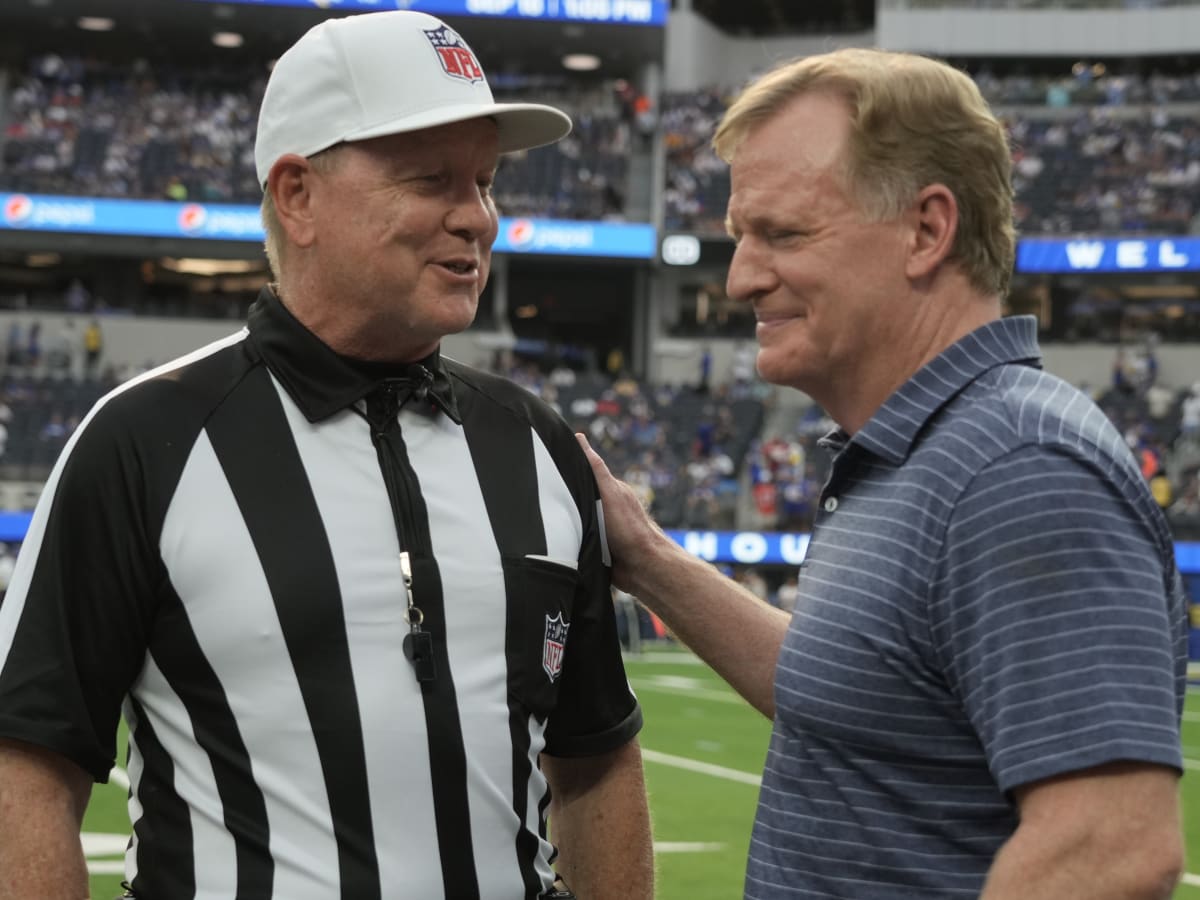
348,593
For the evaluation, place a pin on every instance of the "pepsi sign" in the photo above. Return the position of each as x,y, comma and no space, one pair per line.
192,217
17,209
47,213
563,237
233,222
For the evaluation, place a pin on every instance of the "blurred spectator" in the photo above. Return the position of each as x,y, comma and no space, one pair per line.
93,348
77,298
8,561
1184,513
742,369
1160,487
15,353
785,596
31,357
1189,413
61,349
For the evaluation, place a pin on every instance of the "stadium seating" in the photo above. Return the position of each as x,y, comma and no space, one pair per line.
1095,155
1096,152
700,459
97,128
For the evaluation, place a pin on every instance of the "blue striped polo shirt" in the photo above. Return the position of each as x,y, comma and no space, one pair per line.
990,598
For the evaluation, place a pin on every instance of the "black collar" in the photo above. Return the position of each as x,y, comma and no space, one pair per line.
322,382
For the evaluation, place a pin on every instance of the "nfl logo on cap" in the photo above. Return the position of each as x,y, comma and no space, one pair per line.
552,649
453,53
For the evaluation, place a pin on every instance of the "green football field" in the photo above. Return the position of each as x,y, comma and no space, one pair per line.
704,749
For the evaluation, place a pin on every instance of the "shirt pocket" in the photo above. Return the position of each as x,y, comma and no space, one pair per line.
541,594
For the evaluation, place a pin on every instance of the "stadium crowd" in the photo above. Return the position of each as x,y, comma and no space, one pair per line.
89,127
1101,153
702,455
1095,151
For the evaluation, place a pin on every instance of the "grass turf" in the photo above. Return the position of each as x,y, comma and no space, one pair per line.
701,818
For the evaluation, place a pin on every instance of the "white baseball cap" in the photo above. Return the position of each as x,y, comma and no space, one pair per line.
374,74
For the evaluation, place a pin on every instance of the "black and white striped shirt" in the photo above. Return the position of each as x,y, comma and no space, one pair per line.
216,552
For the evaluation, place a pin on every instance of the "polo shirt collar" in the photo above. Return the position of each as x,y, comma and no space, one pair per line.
320,381
892,431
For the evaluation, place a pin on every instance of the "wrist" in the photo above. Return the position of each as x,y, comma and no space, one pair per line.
661,567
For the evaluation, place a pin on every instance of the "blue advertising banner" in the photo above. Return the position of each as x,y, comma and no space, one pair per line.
230,222
747,547
141,218
781,548
744,547
571,238
620,12
1087,254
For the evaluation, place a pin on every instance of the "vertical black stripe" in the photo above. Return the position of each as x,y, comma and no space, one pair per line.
256,449
502,451
447,751
165,858
214,725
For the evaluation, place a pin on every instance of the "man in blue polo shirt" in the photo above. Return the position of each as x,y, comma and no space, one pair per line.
979,692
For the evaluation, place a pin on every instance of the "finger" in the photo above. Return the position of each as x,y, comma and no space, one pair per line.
593,457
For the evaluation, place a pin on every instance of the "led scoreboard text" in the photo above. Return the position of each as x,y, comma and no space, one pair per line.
620,12
1062,255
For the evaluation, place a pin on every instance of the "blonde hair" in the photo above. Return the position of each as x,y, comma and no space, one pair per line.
322,162
914,121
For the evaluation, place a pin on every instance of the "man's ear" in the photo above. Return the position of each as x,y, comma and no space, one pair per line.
934,214
290,185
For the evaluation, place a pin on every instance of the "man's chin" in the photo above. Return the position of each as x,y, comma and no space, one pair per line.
781,372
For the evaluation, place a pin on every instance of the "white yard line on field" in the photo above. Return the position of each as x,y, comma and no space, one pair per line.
99,844
104,845
1191,879
694,765
106,867
686,847
665,656
659,687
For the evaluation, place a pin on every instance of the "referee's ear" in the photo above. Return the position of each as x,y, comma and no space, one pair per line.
290,184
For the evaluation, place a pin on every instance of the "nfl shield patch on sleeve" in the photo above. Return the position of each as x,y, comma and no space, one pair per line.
555,644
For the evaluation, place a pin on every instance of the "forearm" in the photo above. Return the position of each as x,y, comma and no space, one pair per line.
725,625
41,808
1108,833
600,823
1023,873
40,858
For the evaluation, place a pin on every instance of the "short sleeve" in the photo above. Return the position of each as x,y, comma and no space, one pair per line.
596,709
74,622
1057,622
